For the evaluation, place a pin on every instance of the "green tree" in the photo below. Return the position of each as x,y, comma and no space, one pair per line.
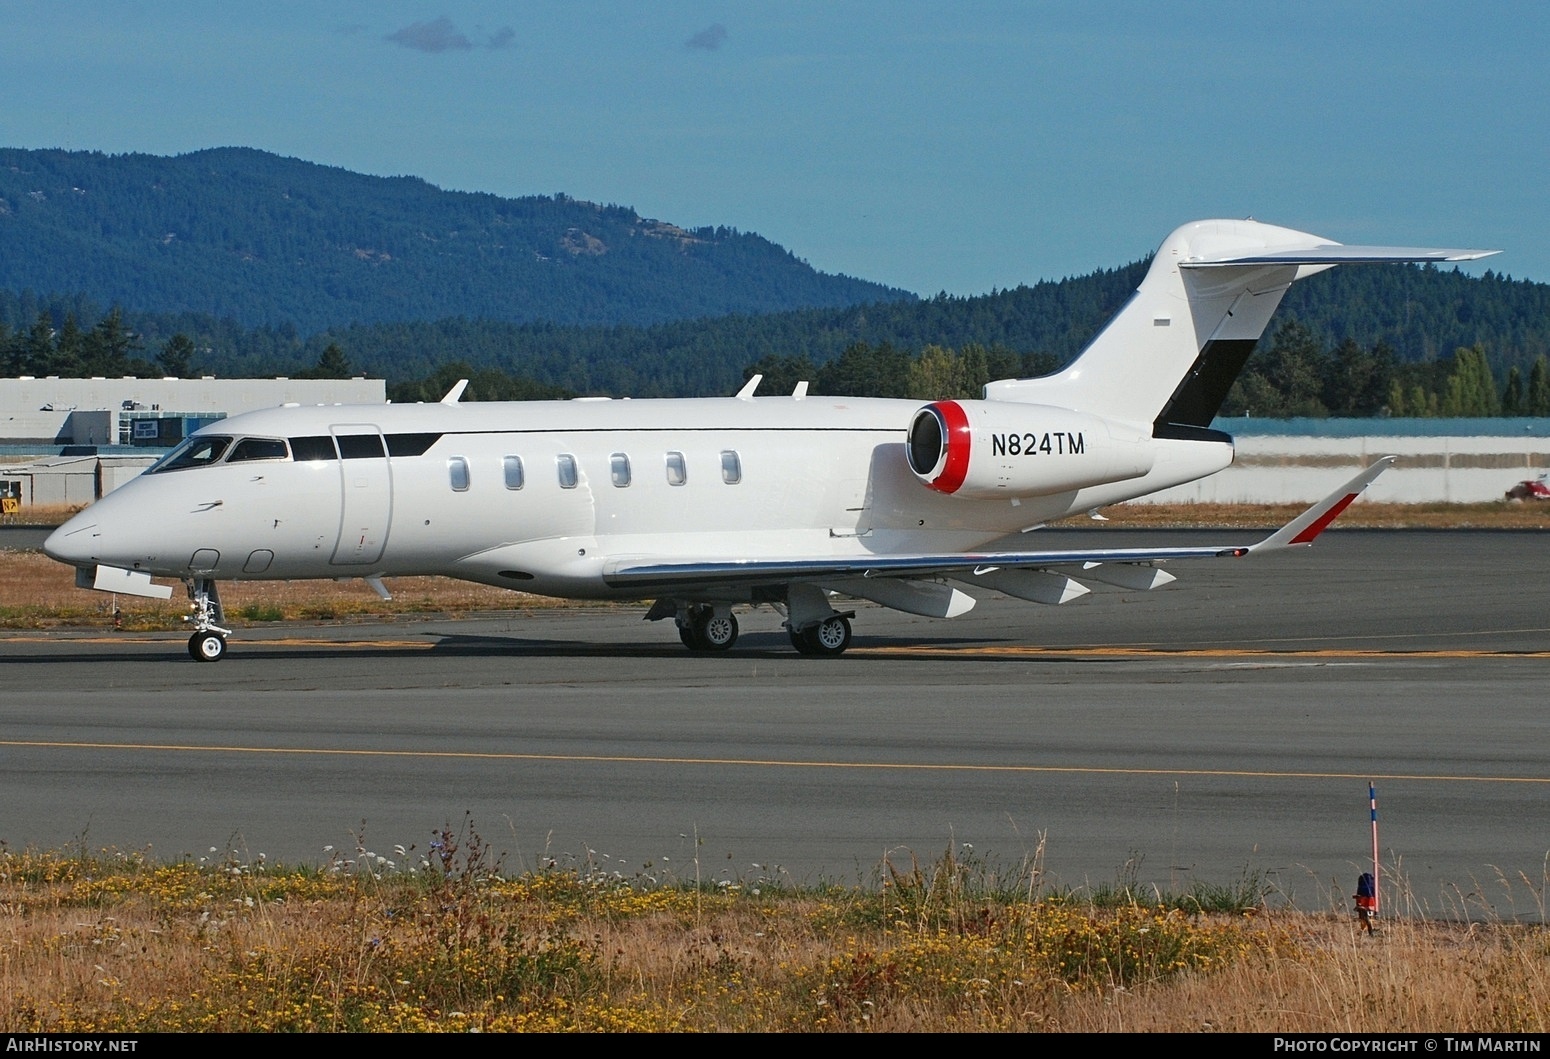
177,356
107,347
973,370
866,371
1512,394
934,375
1537,400
332,364
68,359
1287,379
38,346
1356,380
1470,389
1397,404
781,374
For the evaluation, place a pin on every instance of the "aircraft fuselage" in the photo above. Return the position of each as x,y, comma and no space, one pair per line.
544,496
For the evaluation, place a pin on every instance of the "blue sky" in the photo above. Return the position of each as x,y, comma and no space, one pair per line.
958,147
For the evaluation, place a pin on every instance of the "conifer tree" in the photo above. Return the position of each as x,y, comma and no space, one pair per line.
1512,395
1537,400
177,356
1470,389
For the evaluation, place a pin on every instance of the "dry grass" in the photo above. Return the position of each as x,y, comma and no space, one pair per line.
442,939
41,515
38,593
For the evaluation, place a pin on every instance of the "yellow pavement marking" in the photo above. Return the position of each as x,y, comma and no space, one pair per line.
1159,651
629,759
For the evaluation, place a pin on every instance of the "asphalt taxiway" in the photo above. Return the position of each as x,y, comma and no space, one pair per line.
1229,723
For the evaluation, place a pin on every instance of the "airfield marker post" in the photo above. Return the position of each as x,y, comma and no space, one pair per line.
1372,801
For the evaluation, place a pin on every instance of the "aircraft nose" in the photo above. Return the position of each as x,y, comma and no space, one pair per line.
75,543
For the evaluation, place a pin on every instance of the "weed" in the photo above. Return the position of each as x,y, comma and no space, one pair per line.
442,938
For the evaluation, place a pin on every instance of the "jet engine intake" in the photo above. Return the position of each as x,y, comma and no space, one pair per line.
986,450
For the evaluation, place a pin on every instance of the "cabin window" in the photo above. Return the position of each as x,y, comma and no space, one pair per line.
619,470
677,470
258,449
361,446
457,473
314,448
731,467
512,466
410,444
565,467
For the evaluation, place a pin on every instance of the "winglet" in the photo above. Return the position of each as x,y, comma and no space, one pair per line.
456,393
747,392
1315,520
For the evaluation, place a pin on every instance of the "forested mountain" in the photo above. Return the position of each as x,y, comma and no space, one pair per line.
1357,330
165,264
248,236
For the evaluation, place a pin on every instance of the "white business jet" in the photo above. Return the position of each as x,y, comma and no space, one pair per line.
708,504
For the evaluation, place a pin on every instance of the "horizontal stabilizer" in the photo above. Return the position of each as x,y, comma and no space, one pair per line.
1339,254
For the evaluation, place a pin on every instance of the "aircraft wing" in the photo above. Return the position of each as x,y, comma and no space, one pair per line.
986,568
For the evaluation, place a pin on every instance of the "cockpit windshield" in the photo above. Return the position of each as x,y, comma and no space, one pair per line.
201,450
258,449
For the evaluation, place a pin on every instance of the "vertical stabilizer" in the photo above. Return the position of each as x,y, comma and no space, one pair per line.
1171,354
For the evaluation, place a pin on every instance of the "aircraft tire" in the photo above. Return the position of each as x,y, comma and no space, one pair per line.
706,632
828,639
717,634
207,647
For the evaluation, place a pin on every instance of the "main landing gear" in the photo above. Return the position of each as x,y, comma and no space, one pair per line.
707,628
208,644
825,639
815,628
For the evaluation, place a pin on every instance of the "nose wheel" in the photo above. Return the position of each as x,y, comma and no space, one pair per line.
207,647
208,644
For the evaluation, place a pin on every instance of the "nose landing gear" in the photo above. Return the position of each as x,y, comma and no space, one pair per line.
208,643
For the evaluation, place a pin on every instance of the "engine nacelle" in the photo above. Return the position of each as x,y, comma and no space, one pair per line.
990,449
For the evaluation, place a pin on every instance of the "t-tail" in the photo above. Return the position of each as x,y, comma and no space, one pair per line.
1169,357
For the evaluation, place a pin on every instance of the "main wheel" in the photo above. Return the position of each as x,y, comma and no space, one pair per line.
827,639
707,632
717,633
207,647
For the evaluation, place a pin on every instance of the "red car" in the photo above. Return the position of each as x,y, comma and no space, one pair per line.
1532,489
